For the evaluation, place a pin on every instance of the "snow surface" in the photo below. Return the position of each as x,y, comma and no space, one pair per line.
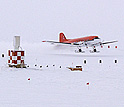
53,86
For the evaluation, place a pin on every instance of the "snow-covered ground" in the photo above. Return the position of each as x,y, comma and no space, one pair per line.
53,86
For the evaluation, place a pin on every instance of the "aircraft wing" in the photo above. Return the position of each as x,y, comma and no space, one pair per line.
103,43
82,45
109,42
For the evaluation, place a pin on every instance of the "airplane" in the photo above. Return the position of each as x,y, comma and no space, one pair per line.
88,41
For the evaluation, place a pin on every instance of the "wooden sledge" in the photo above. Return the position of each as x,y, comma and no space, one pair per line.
77,68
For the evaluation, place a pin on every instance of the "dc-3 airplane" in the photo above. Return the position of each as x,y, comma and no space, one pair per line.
88,41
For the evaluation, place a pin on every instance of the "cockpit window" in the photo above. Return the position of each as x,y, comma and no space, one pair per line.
96,38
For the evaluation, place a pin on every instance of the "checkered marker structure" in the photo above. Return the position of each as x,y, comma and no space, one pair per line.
15,57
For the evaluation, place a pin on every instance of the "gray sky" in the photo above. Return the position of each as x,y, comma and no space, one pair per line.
37,20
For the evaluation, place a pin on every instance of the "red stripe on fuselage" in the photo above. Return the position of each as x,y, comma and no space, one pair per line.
88,38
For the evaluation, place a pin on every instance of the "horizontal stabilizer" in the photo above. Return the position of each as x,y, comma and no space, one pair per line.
60,42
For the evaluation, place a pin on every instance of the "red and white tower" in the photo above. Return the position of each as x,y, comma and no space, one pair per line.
16,56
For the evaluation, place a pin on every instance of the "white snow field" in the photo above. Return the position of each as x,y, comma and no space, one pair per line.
53,86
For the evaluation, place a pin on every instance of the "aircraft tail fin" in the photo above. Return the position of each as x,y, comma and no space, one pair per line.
62,37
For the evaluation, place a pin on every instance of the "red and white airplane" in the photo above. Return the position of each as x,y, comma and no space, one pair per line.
88,41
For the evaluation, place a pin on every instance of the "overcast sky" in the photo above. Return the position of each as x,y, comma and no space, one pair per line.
37,20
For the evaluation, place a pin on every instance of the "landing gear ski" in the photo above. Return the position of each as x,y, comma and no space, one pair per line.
79,51
94,51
